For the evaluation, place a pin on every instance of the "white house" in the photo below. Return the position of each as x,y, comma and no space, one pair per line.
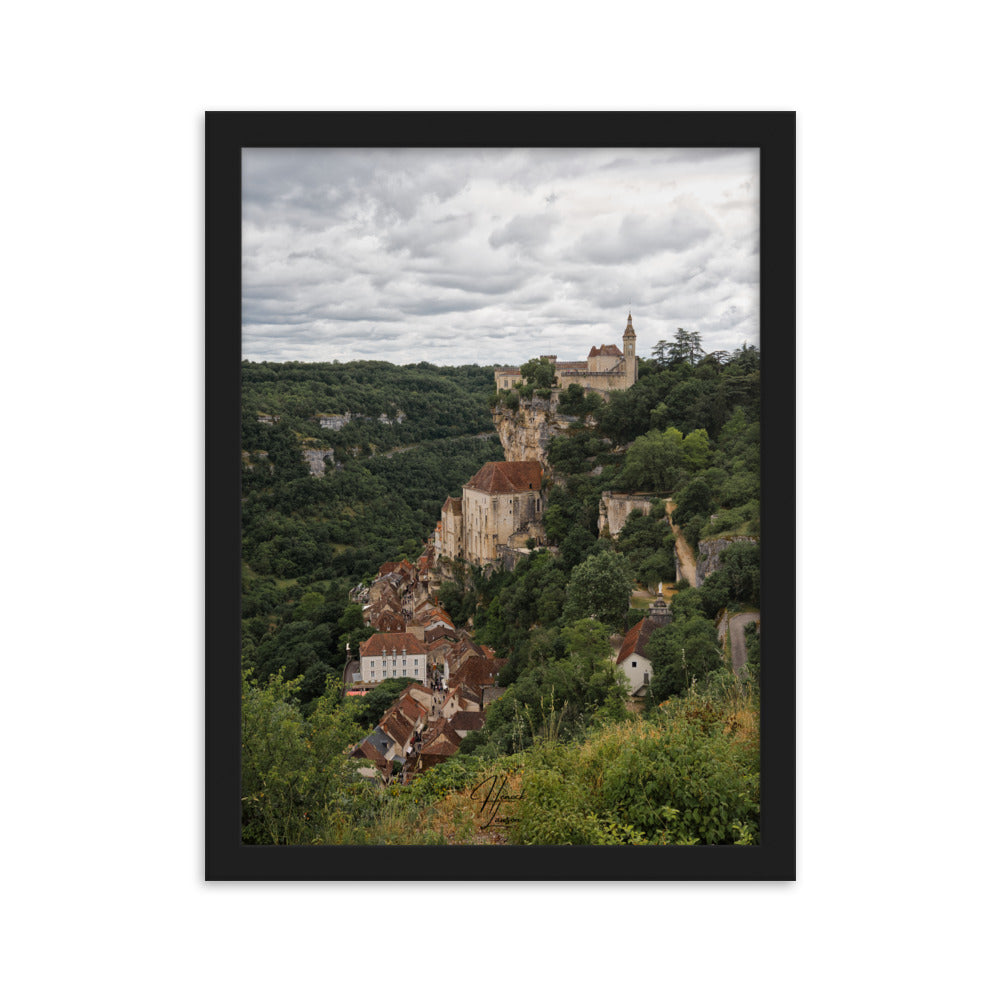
393,654
632,658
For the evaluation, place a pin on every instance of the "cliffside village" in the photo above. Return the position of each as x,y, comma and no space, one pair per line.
497,520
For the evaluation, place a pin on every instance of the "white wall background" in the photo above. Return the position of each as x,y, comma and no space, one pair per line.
102,258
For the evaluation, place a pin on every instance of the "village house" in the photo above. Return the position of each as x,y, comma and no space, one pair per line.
632,659
393,654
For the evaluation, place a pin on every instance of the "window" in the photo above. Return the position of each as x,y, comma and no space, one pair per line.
634,664
393,671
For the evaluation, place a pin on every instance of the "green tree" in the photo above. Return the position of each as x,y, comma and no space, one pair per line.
680,653
697,450
539,372
600,587
655,461
291,767
685,349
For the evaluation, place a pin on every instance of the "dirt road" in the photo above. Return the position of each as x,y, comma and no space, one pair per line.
685,557
737,640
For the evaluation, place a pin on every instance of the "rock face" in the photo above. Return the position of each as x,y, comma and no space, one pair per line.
616,507
710,552
525,433
338,421
334,421
316,457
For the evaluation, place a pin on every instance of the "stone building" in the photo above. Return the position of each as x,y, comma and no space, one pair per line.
393,654
502,505
607,367
451,528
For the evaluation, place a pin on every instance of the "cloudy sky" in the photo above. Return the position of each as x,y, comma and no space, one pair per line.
488,256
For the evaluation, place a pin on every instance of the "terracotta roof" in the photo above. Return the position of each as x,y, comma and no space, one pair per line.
410,708
404,568
453,505
468,720
396,725
440,741
477,670
607,350
507,477
636,639
570,365
386,642
388,622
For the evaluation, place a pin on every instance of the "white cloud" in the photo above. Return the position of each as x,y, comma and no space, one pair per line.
491,256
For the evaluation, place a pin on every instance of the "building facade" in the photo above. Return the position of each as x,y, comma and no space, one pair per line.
607,367
393,654
502,505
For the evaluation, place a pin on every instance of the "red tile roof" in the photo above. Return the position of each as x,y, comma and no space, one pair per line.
607,350
397,726
475,673
453,505
386,642
468,720
507,477
405,567
410,708
636,639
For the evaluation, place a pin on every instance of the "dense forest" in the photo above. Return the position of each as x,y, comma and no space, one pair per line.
688,430
308,539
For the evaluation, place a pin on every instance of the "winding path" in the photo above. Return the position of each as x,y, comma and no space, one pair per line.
685,557
737,640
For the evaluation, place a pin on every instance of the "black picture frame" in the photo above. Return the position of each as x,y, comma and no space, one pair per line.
227,134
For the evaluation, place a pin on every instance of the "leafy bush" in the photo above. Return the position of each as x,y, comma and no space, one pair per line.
686,776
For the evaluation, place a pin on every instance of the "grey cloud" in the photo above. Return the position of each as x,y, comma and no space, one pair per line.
492,255
523,230
640,236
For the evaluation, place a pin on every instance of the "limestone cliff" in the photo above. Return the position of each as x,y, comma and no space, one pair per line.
525,432
316,457
710,552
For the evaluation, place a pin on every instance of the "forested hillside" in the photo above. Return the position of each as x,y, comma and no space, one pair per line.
688,430
420,402
308,539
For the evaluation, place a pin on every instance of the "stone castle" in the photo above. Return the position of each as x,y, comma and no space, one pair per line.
607,367
500,510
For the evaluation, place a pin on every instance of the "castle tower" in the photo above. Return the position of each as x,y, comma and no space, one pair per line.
628,342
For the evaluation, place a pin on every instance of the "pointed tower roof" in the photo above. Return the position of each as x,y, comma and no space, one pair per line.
628,328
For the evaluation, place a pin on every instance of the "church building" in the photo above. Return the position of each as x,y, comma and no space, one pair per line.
502,505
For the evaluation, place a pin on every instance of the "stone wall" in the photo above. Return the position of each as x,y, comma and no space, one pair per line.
490,520
615,508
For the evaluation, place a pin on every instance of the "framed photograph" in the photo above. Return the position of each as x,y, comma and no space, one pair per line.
500,459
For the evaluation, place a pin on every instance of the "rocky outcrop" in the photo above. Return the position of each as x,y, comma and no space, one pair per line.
338,421
710,553
334,421
316,457
616,507
525,432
